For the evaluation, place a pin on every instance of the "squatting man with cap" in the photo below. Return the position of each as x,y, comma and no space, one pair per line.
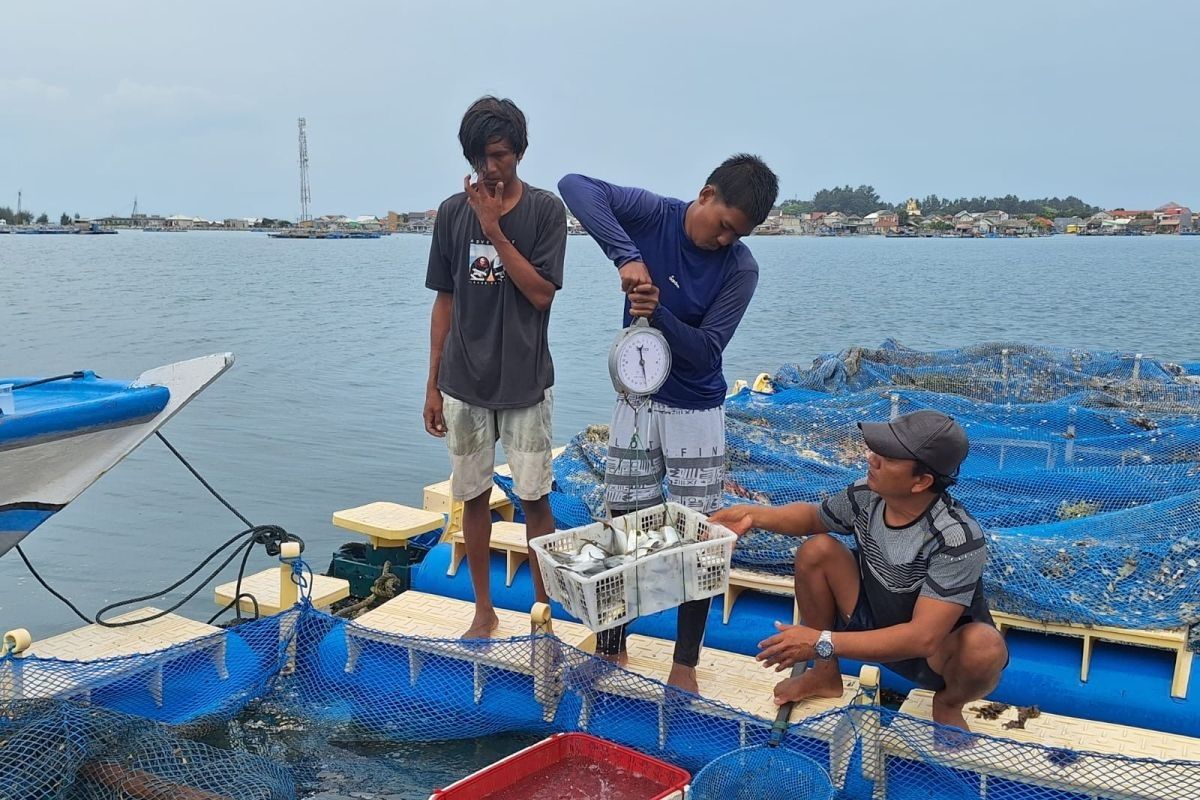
910,595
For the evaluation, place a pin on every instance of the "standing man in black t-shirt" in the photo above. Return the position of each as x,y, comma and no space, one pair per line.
495,262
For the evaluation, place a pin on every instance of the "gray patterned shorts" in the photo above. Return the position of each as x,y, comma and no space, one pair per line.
655,441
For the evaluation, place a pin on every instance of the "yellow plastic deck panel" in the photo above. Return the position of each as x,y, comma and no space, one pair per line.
730,678
1108,778
415,613
1174,640
389,524
1053,730
95,642
265,587
437,498
507,537
742,579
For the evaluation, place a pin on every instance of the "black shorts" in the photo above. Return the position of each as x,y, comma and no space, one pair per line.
916,670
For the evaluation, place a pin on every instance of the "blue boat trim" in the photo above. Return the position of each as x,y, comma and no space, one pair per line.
82,405
16,444
24,517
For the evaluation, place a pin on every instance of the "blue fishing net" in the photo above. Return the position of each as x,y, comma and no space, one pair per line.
311,705
1084,467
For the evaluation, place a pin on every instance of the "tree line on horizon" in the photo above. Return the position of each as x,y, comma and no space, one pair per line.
26,217
865,200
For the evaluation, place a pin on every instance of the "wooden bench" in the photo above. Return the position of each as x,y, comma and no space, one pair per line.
507,537
1083,764
97,642
742,579
1174,640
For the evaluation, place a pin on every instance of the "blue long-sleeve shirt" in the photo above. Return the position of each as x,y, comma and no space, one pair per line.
703,294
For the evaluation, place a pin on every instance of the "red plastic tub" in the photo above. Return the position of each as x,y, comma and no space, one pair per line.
572,759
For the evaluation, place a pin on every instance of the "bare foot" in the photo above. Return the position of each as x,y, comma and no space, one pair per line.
621,659
952,717
482,626
814,683
684,678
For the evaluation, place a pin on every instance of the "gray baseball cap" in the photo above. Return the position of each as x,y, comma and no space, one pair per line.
928,436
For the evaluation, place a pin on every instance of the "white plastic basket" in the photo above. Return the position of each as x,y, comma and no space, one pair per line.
696,569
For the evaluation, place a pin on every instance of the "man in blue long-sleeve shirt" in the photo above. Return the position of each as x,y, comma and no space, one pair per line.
681,266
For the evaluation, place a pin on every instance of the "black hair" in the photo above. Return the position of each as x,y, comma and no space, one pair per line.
746,183
941,483
487,120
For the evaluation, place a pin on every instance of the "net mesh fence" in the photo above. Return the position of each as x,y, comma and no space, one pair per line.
324,696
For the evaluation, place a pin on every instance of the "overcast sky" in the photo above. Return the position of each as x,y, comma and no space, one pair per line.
192,107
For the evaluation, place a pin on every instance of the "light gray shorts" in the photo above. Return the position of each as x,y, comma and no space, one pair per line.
471,436
656,441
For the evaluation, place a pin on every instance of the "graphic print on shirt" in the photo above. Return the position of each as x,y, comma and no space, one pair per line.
486,267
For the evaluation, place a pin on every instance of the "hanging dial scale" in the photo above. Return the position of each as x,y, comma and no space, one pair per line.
640,360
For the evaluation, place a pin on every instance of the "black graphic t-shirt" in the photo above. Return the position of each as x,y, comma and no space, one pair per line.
497,354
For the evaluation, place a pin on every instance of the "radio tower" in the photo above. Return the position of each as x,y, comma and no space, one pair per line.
305,195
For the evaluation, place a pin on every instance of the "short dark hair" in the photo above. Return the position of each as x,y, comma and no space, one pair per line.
746,183
941,483
487,120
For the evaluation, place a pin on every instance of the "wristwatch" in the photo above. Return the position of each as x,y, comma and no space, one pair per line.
824,646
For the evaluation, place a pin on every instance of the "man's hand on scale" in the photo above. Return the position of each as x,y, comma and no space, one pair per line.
643,299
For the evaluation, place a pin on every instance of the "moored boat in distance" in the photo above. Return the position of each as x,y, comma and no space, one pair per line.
332,233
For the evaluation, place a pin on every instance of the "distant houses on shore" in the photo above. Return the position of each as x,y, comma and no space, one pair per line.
1170,218
392,222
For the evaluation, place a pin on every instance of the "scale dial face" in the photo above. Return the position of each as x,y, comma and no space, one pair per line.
640,361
